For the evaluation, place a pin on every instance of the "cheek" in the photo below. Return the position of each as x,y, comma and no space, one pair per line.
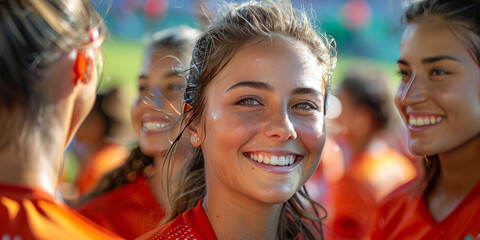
312,134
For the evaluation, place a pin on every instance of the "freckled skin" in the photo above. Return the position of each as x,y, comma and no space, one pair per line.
238,129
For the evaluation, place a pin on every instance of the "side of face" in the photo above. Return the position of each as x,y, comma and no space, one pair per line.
439,96
262,129
156,112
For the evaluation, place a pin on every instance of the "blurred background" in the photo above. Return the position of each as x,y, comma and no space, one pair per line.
365,31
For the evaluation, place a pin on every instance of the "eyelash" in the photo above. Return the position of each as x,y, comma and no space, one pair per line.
243,101
439,70
310,106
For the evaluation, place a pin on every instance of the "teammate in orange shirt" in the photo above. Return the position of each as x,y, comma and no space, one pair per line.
48,62
123,200
439,101
255,109
97,143
372,167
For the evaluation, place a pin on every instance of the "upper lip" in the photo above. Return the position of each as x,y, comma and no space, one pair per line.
422,114
275,152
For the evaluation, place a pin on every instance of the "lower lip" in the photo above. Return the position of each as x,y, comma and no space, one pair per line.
276,168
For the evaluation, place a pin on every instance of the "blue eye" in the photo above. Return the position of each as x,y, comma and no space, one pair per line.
248,101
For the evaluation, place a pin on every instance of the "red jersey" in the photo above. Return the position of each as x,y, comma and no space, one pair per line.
190,225
128,211
350,201
28,213
105,159
404,215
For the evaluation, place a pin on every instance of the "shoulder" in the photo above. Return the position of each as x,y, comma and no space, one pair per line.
403,198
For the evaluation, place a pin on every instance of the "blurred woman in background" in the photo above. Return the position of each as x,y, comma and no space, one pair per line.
132,198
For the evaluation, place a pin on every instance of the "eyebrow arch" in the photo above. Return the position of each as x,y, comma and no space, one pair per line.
252,84
438,58
299,91
430,59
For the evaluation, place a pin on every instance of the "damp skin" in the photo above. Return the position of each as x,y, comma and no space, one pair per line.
267,100
440,79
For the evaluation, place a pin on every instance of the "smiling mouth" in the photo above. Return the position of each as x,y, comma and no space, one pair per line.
424,120
155,126
273,160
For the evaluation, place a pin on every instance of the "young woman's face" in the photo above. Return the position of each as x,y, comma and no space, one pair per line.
262,129
156,112
439,97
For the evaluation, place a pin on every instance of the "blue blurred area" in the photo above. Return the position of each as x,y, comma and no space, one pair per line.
365,28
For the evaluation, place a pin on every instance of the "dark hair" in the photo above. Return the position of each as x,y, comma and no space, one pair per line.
181,41
464,20
368,87
33,34
234,27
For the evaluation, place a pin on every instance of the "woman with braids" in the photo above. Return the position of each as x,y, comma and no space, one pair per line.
255,107
48,81
132,199
439,101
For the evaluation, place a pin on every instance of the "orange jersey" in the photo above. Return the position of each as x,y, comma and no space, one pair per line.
404,215
192,224
350,201
128,211
27,213
108,157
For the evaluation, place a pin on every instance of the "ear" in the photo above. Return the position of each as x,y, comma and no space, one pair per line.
83,66
195,130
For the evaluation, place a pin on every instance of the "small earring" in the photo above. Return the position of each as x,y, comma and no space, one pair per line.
194,139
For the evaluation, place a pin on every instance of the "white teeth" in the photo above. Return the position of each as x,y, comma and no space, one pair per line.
154,125
423,121
260,158
273,160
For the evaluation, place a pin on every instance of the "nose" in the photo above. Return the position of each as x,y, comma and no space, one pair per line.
413,91
279,127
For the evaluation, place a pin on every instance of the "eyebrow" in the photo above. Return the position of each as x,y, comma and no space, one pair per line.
300,91
430,59
252,84
167,75
266,86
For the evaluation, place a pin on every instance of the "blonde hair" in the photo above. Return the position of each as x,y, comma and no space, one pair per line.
233,27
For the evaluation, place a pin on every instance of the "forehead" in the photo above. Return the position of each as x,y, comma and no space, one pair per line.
276,57
432,37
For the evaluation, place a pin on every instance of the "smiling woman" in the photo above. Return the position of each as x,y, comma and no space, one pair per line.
255,107
439,101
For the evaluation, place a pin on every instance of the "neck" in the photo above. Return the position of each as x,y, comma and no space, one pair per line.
32,163
460,167
234,216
